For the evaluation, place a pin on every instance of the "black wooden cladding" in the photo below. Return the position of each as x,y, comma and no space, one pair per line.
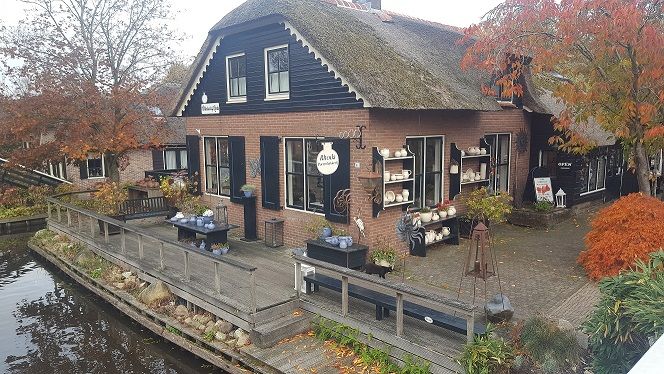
312,87
194,161
338,182
238,167
157,159
270,172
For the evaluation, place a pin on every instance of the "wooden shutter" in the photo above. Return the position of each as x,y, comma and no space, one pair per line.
194,159
338,182
83,168
238,167
158,159
270,172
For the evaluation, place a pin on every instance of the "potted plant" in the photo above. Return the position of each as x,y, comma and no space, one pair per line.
248,190
107,200
177,192
482,206
319,228
384,255
426,214
220,248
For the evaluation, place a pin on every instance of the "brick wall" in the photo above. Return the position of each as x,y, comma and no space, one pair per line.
139,162
385,128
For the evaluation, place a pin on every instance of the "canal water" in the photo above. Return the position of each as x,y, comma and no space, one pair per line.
49,324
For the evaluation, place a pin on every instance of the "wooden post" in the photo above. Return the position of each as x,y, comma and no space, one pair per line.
344,295
217,277
252,290
399,313
68,217
92,227
106,240
161,256
48,203
298,278
470,326
80,224
140,246
123,241
186,265
59,213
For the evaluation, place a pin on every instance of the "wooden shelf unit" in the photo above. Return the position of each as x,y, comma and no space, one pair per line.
380,164
420,249
468,160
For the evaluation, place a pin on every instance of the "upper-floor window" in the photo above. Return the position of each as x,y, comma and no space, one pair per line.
277,85
95,166
236,71
175,159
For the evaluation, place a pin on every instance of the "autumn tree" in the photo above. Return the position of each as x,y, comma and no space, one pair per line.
87,70
603,59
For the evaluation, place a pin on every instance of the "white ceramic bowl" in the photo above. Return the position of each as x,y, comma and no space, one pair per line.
390,196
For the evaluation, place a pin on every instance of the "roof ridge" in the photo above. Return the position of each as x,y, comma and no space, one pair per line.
456,29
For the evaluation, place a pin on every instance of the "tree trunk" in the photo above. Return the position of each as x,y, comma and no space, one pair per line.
113,168
642,168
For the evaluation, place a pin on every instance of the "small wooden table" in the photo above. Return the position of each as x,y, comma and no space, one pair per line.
352,257
217,235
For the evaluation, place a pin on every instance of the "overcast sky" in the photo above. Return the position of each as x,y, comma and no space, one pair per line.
196,17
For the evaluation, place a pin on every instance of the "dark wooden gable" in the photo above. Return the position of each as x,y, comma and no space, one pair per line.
312,87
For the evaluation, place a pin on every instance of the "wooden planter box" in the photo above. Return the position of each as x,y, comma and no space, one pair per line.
538,220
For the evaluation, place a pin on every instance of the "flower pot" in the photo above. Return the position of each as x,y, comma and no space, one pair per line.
207,220
326,232
384,263
224,250
216,251
343,244
200,222
248,193
426,217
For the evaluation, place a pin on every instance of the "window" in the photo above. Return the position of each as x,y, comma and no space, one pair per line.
175,159
236,71
500,156
277,85
548,161
304,184
593,175
428,171
57,170
95,165
217,166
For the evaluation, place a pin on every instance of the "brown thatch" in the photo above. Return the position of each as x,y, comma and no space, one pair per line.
404,63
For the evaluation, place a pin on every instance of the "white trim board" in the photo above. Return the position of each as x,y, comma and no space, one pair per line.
330,68
201,71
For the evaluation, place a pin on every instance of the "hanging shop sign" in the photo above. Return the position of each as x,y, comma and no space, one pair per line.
210,108
328,160
543,189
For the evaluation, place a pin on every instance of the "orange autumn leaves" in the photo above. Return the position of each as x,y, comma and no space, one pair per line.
629,229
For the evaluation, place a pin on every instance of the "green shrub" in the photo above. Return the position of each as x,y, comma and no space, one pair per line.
486,354
629,312
550,347
543,206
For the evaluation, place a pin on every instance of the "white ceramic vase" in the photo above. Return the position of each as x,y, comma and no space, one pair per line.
426,217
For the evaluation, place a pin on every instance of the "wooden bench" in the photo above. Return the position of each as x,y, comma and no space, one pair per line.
384,303
143,208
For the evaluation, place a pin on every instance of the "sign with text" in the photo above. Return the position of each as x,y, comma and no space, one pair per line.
543,189
210,108
328,160
564,165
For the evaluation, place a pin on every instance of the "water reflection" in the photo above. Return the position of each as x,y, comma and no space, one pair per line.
49,324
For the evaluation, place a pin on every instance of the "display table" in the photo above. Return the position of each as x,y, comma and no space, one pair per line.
217,235
352,257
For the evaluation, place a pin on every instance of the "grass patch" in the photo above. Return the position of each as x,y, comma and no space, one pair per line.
551,348
173,330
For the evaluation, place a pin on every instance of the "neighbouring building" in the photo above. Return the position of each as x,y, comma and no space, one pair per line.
276,79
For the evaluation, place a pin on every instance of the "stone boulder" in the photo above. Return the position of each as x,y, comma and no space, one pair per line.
181,311
155,293
499,309
85,258
224,326
242,338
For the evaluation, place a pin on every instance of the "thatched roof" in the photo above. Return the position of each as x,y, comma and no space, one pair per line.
391,60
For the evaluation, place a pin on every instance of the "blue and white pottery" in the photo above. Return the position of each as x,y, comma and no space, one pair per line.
216,251
174,219
347,239
247,193
199,222
224,250
332,240
207,219
192,220
326,233
211,226
184,221
342,244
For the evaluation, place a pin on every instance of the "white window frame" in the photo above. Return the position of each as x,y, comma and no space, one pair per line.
306,187
597,180
509,161
240,99
175,149
204,173
103,167
277,96
61,167
442,165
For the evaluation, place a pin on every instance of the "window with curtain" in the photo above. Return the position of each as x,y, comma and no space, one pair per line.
217,166
594,174
95,166
175,159
277,72
428,171
500,154
304,183
237,77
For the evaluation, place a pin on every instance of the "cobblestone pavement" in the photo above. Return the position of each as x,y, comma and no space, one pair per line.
537,269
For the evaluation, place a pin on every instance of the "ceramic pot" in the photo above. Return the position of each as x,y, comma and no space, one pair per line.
451,211
397,154
332,240
200,223
443,214
347,239
393,177
406,173
216,251
326,232
386,175
225,250
435,217
446,231
385,152
383,263
478,176
439,237
404,152
405,194
343,244
426,217
207,220
454,169
390,196
248,193
211,226
399,198
482,151
192,220
463,153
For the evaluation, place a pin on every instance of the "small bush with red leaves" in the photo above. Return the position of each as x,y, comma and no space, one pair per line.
629,229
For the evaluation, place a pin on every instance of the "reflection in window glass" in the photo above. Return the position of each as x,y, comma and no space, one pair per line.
277,71
428,170
217,166
304,183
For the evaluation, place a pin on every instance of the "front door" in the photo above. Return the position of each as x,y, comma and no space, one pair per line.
500,154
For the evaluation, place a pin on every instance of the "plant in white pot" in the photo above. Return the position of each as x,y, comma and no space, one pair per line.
426,214
384,256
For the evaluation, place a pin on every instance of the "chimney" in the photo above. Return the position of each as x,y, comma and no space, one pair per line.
373,4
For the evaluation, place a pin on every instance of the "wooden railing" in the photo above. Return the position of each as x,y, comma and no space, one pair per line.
64,212
399,290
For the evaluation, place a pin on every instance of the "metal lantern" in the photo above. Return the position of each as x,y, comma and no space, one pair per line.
274,232
480,261
222,213
561,198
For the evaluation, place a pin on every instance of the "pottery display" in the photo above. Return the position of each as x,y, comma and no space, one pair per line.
454,169
405,194
483,170
478,176
482,151
474,151
451,211
397,154
385,152
399,198
390,196
406,173
386,175
435,217
426,217
332,240
443,214
446,231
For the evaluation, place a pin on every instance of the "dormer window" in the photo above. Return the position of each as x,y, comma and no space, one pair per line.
236,71
277,79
